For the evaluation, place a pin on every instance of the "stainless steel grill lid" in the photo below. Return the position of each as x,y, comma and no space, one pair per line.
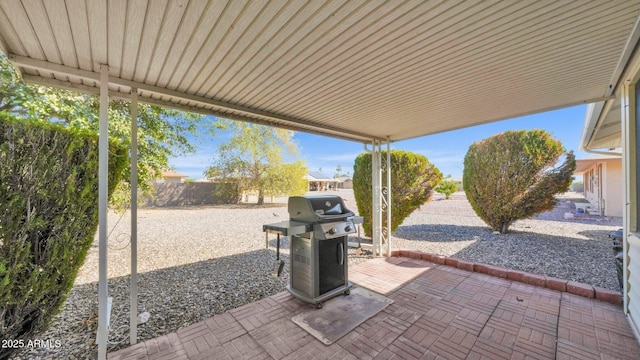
319,208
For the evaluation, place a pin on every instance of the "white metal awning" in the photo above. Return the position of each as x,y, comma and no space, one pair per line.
352,69
602,126
364,70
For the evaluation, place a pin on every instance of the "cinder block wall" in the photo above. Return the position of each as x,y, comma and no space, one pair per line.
185,194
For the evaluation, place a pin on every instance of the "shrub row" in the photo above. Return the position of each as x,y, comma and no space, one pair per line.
48,218
509,176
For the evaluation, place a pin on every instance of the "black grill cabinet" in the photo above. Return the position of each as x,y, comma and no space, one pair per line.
318,261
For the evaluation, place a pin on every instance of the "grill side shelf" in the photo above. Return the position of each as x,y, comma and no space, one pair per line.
284,228
287,228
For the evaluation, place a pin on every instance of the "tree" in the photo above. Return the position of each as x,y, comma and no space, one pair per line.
13,92
511,176
339,172
447,187
254,159
413,178
162,133
286,179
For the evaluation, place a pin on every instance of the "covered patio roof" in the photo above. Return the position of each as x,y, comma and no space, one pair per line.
362,70
358,70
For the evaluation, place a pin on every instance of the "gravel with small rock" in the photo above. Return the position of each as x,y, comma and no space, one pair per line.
196,262
575,247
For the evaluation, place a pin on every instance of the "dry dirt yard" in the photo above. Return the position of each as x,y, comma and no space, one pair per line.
199,261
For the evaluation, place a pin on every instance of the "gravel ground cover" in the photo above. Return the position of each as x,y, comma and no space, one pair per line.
197,262
576,249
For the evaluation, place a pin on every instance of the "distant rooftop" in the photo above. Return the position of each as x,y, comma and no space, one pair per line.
173,174
316,175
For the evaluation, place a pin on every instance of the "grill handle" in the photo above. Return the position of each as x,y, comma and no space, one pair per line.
340,254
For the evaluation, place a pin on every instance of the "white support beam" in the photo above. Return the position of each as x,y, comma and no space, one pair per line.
157,102
260,121
241,112
381,197
388,198
376,185
66,85
41,65
133,296
103,175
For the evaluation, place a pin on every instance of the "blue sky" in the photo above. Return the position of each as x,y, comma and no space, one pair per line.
445,150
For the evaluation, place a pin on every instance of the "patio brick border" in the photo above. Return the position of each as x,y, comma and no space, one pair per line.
572,287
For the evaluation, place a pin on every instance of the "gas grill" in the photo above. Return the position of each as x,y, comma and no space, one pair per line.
318,229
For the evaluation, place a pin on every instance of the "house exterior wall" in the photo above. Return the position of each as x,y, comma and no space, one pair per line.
631,243
613,190
633,279
346,184
606,185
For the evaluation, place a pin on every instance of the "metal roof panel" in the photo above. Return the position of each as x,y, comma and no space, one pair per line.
355,69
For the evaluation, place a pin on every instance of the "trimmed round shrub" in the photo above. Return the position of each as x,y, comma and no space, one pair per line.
413,178
48,219
511,176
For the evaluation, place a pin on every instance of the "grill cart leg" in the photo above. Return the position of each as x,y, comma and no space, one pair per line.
266,240
280,268
281,262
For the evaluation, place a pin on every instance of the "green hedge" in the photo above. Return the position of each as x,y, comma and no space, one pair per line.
511,176
413,178
48,218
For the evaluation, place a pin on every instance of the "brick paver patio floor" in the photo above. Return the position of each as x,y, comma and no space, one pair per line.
440,312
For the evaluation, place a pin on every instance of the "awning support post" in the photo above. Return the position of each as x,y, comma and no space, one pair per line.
103,176
376,182
381,197
387,198
133,296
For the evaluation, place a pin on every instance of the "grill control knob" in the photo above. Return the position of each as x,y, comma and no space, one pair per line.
348,228
332,231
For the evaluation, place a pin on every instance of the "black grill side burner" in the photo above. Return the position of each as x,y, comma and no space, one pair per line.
318,229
